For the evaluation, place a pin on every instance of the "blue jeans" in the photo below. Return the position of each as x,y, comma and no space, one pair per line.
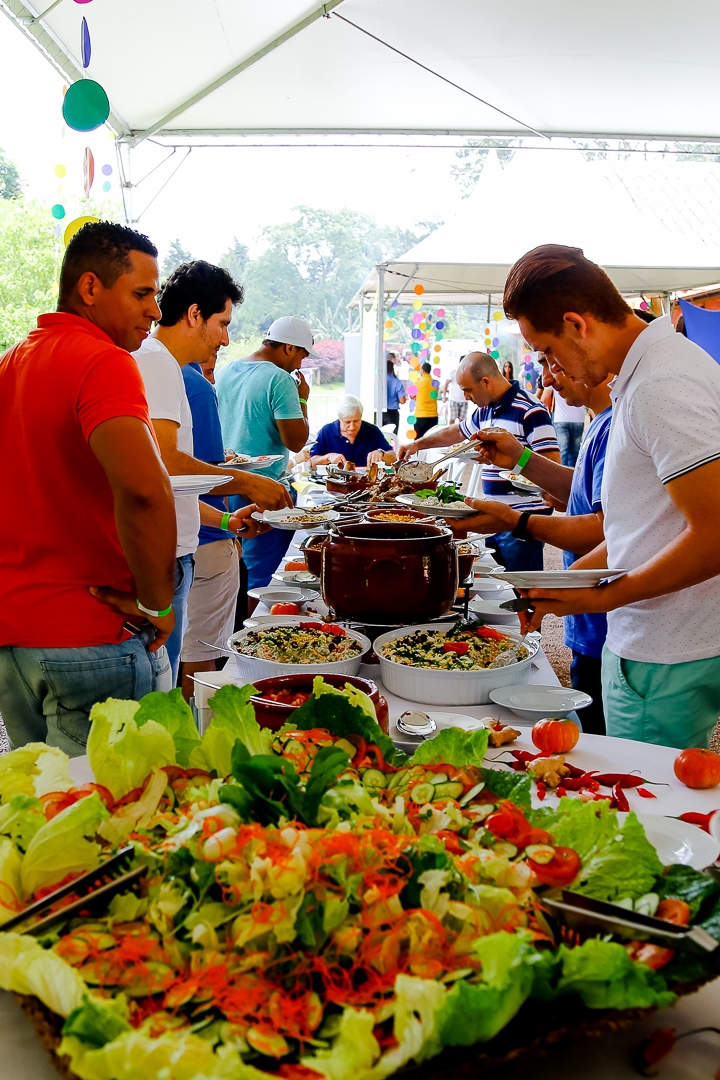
184,570
263,555
516,554
569,437
46,694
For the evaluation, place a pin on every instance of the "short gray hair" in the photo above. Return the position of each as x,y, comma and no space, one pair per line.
349,406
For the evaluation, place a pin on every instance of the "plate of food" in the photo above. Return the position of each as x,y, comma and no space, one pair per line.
297,519
446,501
252,464
555,579
520,482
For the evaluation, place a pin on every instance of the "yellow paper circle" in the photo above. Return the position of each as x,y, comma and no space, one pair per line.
75,226
417,304
497,316
60,171
413,376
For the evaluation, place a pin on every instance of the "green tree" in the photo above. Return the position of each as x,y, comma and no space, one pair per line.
29,264
10,183
472,160
175,256
235,259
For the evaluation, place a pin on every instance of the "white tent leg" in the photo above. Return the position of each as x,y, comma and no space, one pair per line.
380,380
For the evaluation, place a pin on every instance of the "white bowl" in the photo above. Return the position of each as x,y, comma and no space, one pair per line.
678,843
268,595
434,687
494,590
534,702
252,667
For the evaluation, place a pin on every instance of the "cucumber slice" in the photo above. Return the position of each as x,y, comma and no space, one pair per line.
373,778
505,848
422,793
397,779
348,747
540,853
437,778
450,790
292,746
647,904
472,793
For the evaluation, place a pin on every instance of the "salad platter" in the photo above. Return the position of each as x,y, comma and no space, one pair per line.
314,903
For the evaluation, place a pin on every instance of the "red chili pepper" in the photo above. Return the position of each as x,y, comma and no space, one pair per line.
701,820
578,783
561,791
373,749
623,780
459,647
620,798
645,793
541,792
575,772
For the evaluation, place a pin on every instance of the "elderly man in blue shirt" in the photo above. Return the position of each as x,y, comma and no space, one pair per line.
350,439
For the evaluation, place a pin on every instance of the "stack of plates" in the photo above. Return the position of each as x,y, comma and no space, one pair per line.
556,579
198,483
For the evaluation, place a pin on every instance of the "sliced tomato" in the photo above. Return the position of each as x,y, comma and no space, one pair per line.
459,647
451,840
54,802
561,870
106,796
332,628
490,634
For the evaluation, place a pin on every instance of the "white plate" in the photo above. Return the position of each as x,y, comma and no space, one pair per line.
534,701
490,609
281,596
494,590
296,519
677,842
254,464
455,510
289,577
519,482
556,579
198,483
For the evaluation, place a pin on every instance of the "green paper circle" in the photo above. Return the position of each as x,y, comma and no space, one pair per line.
106,185
415,346
85,106
439,335
433,394
58,211
411,420
495,354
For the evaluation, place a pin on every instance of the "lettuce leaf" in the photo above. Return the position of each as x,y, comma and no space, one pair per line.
95,1022
335,711
121,754
515,786
618,861
234,719
11,893
20,819
354,1051
172,711
27,968
476,1012
604,977
692,886
453,746
60,847
34,769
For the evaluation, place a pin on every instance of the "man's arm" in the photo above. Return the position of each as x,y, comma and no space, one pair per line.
544,469
266,493
440,436
144,517
239,522
692,557
295,433
579,534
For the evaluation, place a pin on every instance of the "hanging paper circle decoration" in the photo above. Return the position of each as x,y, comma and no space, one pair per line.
435,384
411,419
386,335
60,171
83,1
85,106
495,354
497,315
437,348
439,336
417,318
417,334
496,342
423,353
107,171
85,46
439,324
75,225
417,304
644,306
58,230
487,329
437,371
419,289
412,388
410,433
434,394
415,346
58,210
389,324
88,171
441,313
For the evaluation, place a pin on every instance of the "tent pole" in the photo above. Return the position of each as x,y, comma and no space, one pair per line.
380,380
122,152
488,309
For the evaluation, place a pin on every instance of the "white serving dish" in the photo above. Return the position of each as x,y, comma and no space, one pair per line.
270,596
488,608
254,464
677,842
534,701
493,590
252,667
289,577
449,687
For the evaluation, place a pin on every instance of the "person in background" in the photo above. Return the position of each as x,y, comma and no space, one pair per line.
395,396
208,370
82,463
350,439
196,305
426,410
660,496
452,393
508,372
506,405
569,424
263,410
578,493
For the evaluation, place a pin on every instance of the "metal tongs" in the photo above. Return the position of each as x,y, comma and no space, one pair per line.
461,448
87,884
588,916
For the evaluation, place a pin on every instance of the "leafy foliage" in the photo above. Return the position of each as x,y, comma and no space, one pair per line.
29,264
472,160
10,183
176,255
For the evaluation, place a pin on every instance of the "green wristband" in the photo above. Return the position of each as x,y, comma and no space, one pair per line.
523,459
153,614
225,521
303,400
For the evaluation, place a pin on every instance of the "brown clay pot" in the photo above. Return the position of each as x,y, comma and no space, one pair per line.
465,564
312,552
389,573
344,487
273,714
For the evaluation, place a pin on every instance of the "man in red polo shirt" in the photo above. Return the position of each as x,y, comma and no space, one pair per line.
80,458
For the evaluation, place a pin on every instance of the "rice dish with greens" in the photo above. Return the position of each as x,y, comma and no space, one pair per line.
300,645
459,649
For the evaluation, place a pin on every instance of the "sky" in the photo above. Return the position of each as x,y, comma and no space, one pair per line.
217,194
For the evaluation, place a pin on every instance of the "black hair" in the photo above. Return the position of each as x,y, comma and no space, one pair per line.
201,283
644,314
426,368
269,343
102,248
391,365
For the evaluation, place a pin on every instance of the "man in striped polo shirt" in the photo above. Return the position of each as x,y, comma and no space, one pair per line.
500,404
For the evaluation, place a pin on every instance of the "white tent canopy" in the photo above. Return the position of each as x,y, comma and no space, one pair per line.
654,228
175,67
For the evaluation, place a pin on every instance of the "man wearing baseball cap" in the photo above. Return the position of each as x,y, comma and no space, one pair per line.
263,410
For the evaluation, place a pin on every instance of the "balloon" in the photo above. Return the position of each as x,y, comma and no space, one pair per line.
85,106
412,388
417,318
58,210
88,171
441,312
496,342
497,316
75,226
106,185
439,324
417,304
411,433
107,171
419,289
437,371
85,46
433,394
495,354
60,171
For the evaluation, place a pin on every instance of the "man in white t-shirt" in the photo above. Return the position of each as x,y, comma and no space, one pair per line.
660,496
569,424
455,397
192,330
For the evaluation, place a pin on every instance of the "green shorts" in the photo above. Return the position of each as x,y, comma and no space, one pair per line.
668,704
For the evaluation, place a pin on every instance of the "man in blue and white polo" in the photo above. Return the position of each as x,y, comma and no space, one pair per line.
501,404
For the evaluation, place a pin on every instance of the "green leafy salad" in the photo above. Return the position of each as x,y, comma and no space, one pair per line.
314,902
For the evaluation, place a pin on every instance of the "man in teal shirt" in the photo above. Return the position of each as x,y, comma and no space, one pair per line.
263,410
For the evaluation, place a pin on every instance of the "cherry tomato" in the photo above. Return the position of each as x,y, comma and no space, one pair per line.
674,911
555,736
561,870
295,566
696,768
451,840
284,609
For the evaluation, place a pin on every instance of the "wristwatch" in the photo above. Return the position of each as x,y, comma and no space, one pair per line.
520,532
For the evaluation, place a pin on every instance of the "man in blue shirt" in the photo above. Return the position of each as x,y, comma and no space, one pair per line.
577,533
395,396
350,439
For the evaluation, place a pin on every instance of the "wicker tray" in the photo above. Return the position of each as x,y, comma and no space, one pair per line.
535,1031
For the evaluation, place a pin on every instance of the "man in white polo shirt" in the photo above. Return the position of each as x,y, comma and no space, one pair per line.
661,495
